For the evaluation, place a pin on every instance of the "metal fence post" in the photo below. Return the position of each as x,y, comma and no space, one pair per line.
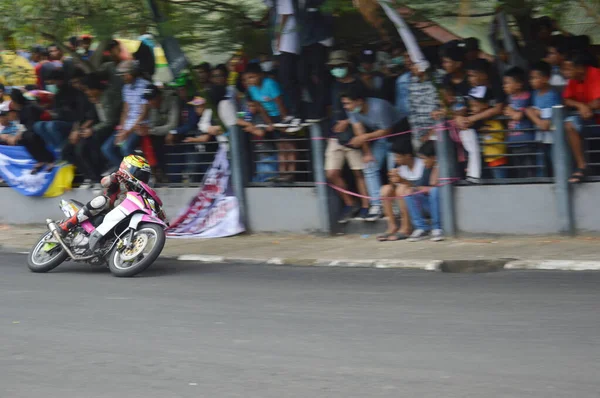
446,167
237,171
561,158
318,156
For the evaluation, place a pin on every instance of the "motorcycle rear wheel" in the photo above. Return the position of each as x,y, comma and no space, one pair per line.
147,234
53,260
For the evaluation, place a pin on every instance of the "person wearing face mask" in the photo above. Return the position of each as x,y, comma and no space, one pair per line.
338,151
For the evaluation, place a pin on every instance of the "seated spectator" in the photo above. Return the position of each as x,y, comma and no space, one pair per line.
84,150
544,98
557,51
267,92
67,110
402,182
11,131
372,120
133,116
520,136
29,111
265,152
425,197
163,117
490,132
424,100
338,151
583,94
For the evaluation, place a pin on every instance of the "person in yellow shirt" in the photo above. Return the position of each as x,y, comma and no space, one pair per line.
491,133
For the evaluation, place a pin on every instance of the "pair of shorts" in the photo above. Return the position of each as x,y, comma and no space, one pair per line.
336,155
585,127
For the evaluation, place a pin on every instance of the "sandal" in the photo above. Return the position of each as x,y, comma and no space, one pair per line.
577,177
391,237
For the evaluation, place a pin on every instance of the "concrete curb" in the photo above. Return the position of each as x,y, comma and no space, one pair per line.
462,266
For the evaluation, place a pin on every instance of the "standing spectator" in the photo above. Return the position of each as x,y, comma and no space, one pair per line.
86,43
491,133
133,116
315,37
163,117
338,152
372,120
544,98
402,181
287,47
423,100
39,56
67,110
55,55
262,148
583,94
369,75
402,99
520,137
425,197
557,51
267,92
479,74
453,62
203,71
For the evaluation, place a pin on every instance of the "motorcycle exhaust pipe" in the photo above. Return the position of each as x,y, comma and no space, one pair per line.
54,230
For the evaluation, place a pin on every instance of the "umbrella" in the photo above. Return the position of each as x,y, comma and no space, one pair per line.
16,70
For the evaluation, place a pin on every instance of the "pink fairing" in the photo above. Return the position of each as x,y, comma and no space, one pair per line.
130,206
154,220
152,193
87,226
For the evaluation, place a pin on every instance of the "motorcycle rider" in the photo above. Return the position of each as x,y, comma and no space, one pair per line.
133,168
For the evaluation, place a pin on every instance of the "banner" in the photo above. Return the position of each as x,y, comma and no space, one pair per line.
15,168
214,212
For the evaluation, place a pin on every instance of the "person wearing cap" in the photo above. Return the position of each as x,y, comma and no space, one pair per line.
133,116
163,117
338,152
86,43
372,79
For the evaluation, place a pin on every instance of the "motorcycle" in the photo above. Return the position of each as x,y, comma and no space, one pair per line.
129,238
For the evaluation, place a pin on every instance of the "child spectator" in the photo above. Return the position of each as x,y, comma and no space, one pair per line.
267,92
425,198
521,136
544,98
490,133
479,74
264,152
424,101
402,182
583,94
11,131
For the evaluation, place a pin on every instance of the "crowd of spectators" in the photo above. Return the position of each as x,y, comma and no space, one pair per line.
382,113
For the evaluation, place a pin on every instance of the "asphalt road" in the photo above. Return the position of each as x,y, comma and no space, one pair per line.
198,330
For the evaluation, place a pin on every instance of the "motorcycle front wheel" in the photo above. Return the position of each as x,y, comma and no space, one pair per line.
148,242
46,255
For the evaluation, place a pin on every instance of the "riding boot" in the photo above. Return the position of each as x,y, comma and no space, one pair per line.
70,223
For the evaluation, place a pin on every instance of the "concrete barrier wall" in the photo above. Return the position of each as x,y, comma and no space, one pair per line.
506,209
283,210
586,207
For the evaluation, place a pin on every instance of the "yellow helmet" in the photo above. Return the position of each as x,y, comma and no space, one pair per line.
136,167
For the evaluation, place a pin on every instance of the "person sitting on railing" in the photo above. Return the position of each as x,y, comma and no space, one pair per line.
268,93
583,94
265,152
402,182
545,97
521,136
490,133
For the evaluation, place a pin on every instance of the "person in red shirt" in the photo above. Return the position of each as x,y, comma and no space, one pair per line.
583,94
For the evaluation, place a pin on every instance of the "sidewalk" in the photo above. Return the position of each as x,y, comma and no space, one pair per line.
550,252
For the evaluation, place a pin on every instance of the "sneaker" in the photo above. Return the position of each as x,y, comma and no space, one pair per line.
437,235
294,126
375,213
417,235
314,120
306,123
362,214
285,122
348,213
86,184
